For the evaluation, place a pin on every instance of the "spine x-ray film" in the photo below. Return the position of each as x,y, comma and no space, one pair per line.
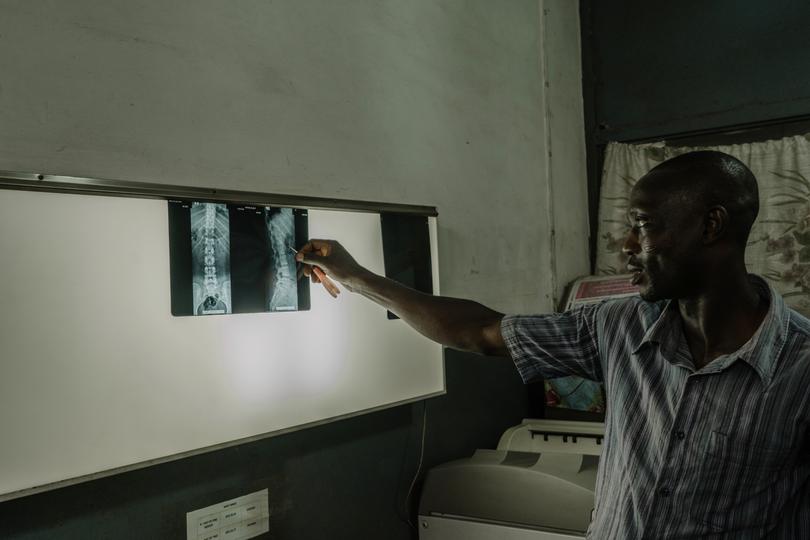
231,258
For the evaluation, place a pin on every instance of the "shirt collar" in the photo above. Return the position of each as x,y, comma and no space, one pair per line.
761,351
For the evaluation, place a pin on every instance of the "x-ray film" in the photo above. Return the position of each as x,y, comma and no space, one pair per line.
230,258
281,236
210,259
406,251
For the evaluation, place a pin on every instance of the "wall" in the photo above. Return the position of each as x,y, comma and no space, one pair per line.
566,169
435,103
458,104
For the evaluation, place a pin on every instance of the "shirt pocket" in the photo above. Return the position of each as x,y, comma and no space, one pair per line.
741,483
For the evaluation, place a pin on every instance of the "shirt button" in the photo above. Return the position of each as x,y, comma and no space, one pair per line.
680,435
665,492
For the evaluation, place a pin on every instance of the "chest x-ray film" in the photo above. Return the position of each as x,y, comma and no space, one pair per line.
231,258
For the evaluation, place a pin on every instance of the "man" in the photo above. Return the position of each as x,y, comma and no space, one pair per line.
706,374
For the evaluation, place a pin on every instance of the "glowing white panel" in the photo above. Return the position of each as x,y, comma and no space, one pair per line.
96,374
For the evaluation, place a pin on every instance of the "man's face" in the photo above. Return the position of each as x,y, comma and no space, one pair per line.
664,243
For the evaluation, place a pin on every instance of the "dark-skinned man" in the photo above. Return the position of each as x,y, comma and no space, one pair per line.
706,373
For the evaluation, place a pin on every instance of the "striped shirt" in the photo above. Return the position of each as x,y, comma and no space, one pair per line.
719,452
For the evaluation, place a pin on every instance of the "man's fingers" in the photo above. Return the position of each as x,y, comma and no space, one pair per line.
304,270
330,287
328,284
310,258
313,256
321,247
317,247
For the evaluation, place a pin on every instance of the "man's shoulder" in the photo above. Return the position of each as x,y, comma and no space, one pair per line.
632,310
795,349
798,324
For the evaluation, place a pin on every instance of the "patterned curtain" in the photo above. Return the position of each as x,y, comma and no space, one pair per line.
779,245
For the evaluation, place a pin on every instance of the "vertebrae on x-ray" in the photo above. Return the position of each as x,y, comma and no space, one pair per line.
211,283
281,231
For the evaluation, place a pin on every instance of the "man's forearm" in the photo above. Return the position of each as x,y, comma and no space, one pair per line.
457,323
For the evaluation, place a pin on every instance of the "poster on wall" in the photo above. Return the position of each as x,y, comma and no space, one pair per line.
231,258
577,393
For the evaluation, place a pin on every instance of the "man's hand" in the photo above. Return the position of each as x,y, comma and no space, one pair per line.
328,258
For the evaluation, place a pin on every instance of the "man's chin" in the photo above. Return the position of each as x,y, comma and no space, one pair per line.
648,294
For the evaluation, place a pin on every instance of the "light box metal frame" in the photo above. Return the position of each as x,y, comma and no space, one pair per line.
29,181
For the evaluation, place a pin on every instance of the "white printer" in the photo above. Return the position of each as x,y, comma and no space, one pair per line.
537,485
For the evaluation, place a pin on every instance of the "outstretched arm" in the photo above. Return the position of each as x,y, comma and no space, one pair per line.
457,323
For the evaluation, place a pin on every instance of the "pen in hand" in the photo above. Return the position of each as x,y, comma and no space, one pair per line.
328,284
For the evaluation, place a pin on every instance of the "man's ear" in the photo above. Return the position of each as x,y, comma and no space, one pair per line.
716,224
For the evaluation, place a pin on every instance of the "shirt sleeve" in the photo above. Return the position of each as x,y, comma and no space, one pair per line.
555,345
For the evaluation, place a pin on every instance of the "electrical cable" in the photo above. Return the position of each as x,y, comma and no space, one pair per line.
419,465
407,517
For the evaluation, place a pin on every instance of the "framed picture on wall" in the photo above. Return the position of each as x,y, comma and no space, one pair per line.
575,398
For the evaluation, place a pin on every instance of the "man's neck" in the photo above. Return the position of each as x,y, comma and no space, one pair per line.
722,318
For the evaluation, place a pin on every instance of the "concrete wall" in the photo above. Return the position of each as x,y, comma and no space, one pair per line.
471,106
438,103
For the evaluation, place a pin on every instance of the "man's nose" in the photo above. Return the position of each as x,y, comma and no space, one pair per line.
630,245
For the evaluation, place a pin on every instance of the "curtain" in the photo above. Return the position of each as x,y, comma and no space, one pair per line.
779,245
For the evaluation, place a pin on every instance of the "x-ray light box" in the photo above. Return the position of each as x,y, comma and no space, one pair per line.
97,376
